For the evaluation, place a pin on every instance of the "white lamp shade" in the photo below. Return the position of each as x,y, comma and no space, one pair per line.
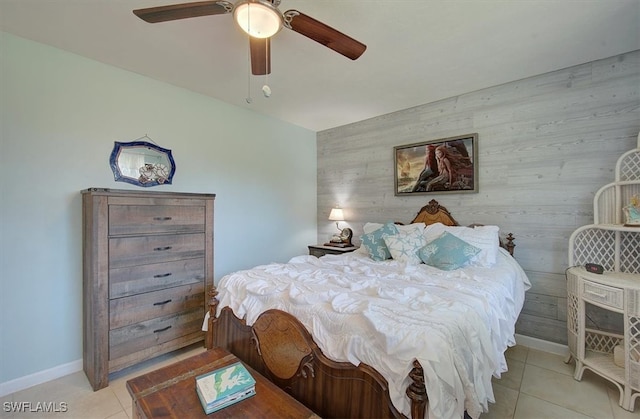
259,19
336,214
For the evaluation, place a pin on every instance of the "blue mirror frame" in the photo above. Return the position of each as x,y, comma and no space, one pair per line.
142,163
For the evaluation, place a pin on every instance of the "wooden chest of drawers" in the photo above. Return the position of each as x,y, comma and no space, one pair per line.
147,262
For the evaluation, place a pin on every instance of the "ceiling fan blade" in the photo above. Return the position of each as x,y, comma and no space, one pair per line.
183,11
323,34
260,56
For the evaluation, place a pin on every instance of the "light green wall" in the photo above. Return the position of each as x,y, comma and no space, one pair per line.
60,114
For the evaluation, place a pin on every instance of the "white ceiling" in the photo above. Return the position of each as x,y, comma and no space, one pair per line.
418,51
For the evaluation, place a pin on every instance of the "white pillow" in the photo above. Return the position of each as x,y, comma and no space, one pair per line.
404,246
483,237
419,227
371,227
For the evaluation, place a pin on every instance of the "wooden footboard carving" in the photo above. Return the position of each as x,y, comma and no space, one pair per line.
331,389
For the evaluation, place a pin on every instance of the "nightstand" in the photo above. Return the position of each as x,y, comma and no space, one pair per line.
319,250
612,243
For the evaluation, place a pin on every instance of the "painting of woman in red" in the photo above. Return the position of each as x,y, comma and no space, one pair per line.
446,165
453,168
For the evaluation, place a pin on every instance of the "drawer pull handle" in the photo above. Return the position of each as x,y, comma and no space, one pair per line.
162,218
161,249
161,303
163,275
597,294
162,330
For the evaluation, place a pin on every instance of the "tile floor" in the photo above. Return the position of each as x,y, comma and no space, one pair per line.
538,385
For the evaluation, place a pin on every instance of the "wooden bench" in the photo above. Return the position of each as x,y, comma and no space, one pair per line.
170,392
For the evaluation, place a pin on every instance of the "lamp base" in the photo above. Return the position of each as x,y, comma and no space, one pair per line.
343,240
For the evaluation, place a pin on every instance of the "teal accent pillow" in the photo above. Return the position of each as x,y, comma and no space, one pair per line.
447,252
374,242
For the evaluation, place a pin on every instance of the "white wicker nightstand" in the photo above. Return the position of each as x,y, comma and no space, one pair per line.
593,349
616,248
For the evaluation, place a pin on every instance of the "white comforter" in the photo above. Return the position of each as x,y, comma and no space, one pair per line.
386,314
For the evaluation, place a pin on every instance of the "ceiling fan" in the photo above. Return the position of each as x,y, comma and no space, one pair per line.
261,19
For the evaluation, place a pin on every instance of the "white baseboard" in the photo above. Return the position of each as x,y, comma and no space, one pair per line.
75,366
542,345
39,377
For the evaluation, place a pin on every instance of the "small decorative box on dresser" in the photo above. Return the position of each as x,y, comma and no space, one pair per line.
319,250
615,246
147,261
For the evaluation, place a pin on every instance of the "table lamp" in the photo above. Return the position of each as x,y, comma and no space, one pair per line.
344,238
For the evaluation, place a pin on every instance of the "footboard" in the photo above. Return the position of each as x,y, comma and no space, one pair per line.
279,347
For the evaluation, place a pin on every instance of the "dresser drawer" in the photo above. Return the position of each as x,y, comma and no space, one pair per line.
149,219
139,279
603,294
132,251
136,337
129,310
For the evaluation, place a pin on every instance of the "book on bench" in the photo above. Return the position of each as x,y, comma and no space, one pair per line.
224,387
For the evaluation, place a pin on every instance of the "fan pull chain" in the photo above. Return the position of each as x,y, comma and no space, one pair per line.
266,90
249,99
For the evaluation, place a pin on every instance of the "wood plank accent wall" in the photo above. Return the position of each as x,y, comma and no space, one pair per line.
546,145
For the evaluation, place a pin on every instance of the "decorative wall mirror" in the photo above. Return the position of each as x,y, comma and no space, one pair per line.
141,163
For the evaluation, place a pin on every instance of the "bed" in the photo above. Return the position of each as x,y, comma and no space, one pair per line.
380,332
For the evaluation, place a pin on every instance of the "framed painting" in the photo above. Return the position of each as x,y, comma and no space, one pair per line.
447,165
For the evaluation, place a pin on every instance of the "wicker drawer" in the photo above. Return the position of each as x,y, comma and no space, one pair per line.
139,279
138,336
133,251
138,308
603,294
151,219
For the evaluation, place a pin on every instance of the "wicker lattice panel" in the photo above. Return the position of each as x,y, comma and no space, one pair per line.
633,332
634,351
629,166
599,246
572,313
630,252
594,246
603,342
634,371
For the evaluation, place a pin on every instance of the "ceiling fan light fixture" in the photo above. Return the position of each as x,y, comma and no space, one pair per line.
258,18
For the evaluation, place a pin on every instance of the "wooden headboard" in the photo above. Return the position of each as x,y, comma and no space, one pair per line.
433,213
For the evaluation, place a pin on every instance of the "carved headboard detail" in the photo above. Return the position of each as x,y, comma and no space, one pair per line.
433,213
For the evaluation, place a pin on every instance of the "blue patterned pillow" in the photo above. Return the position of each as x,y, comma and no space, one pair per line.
447,252
374,241
404,246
